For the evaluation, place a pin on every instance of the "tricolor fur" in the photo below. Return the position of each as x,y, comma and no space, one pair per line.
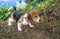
24,19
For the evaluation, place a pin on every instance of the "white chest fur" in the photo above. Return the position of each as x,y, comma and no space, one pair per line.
25,21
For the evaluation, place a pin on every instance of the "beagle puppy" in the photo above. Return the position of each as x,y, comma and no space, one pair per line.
24,19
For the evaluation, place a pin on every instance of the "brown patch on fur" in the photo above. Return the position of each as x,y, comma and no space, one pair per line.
32,15
21,19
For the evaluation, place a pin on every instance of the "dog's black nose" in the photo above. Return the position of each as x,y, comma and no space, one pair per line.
39,19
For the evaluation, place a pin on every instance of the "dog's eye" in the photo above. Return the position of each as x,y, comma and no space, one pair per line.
35,16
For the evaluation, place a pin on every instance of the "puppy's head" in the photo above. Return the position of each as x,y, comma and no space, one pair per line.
33,16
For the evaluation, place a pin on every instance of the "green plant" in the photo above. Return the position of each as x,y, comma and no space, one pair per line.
4,14
42,5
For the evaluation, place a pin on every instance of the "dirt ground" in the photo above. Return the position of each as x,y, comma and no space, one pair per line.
48,28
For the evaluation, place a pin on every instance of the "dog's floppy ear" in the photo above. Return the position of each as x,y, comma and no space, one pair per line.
29,16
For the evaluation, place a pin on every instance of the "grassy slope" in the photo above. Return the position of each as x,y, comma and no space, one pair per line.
42,30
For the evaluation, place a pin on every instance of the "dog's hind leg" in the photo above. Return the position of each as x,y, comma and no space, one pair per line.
19,26
10,20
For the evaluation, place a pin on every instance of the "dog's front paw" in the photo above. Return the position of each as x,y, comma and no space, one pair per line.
31,25
19,29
